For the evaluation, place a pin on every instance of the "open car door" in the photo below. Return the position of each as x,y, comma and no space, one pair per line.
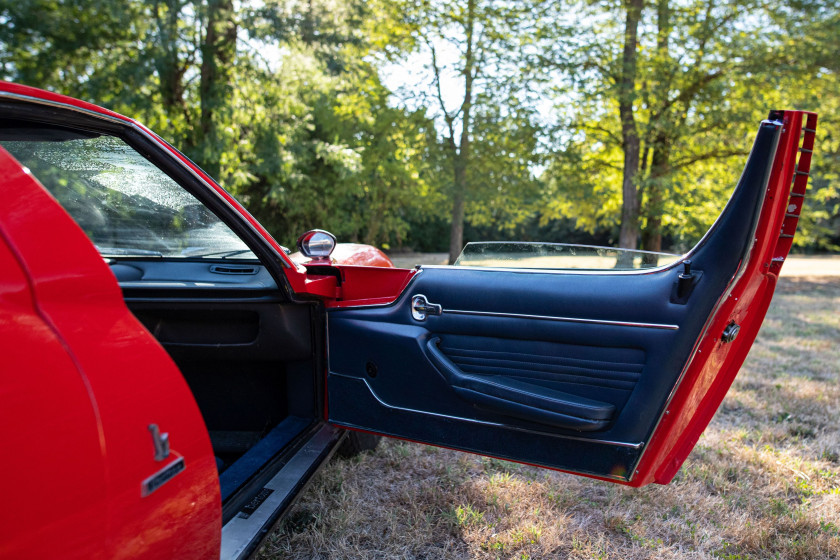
612,374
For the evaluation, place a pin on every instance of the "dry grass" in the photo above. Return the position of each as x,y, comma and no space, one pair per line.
763,482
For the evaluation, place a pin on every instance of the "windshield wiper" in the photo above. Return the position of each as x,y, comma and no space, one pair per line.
127,252
219,254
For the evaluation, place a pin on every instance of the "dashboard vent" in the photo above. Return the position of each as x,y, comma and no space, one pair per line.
233,269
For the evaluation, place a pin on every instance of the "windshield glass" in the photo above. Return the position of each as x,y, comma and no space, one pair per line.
503,254
126,205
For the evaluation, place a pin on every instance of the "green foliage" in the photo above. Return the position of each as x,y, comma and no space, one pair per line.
504,190
812,82
355,166
51,42
514,106
276,101
701,84
475,74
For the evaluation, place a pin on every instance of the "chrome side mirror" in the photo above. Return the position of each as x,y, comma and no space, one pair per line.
317,244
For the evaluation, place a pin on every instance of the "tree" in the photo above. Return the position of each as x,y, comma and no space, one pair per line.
673,99
630,142
809,78
346,161
476,58
274,100
218,53
47,42
288,105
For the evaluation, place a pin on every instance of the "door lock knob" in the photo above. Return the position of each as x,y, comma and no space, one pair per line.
686,281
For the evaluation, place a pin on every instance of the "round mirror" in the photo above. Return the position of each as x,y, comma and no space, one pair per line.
316,244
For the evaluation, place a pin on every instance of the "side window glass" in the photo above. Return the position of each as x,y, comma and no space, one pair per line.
126,205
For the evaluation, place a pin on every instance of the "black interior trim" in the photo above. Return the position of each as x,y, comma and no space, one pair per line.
234,477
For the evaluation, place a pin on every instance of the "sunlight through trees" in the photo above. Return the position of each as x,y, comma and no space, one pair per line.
427,123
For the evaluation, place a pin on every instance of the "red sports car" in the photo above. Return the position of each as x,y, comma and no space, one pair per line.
173,377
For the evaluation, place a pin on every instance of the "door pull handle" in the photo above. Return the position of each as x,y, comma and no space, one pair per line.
420,307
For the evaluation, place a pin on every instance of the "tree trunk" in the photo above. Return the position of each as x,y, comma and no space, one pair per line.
652,233
629,234
217,54
660,161
456,232
461,160
168,63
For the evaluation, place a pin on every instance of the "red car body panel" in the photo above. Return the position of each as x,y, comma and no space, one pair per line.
367,275
371,285
358,254
54,464
104,382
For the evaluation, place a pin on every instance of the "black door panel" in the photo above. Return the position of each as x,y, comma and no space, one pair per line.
497,384
584,384
567,369
621,366
519,441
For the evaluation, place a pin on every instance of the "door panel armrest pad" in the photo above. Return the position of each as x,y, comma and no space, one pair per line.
521,399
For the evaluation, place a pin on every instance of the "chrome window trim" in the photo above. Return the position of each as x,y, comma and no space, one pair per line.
62,105
564,319
564,271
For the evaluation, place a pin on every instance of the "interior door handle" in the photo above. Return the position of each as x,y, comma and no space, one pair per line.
420,307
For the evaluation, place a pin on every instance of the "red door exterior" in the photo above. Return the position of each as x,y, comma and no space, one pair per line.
81,383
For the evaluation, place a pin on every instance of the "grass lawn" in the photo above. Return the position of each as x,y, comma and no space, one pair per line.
763,481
